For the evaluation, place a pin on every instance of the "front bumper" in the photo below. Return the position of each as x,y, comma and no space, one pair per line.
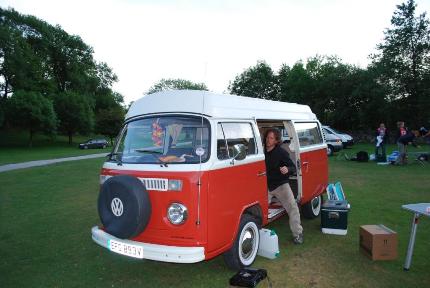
348,143
155,252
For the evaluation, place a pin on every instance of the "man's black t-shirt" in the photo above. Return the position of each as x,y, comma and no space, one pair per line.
408,137
275,159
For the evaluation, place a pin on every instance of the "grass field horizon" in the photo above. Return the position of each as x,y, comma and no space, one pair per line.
14,147
47,213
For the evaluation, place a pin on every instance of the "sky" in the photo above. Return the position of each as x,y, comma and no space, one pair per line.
212,42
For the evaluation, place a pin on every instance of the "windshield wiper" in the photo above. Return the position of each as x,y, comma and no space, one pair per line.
152,152
148,151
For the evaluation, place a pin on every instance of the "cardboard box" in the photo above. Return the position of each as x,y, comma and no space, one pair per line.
378,242
334,217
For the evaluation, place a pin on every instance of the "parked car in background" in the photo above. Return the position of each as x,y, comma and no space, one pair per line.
94,143
347,140
334,142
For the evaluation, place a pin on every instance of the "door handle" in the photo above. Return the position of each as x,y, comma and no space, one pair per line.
261,173
306,165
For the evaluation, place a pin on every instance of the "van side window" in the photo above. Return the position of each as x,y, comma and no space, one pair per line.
222,151
308,134
235,133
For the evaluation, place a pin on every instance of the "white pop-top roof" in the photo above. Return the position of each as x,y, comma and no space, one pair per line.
218,106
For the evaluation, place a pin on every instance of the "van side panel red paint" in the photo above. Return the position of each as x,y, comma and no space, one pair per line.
231,190
314,173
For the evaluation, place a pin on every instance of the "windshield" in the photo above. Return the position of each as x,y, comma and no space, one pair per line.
336,131
166,139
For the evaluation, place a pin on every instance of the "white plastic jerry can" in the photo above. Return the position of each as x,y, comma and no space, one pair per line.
269,246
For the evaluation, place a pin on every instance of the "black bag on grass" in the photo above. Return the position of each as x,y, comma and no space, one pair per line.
362,156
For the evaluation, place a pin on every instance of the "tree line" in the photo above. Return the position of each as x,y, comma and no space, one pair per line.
395,85
50,81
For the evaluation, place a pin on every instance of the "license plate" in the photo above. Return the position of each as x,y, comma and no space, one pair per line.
126,249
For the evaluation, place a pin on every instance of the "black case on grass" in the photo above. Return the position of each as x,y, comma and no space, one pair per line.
248,277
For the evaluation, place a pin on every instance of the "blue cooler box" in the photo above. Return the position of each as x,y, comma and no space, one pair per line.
334,217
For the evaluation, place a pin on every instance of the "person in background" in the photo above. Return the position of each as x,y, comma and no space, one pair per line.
381,140
401,131
279,166
425,133
405,140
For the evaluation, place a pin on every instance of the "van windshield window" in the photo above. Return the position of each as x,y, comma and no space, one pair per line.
166,139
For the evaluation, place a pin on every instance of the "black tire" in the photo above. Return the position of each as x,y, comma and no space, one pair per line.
245,247
330,150
312,209
85,147
128,193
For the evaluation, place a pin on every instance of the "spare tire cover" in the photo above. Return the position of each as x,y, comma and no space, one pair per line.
124,206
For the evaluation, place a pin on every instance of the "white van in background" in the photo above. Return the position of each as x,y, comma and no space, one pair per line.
347,139
334,142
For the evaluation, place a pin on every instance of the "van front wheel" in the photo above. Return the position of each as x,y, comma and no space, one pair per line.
312,209
245,247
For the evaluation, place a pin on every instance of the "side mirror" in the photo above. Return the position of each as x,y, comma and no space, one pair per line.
239,152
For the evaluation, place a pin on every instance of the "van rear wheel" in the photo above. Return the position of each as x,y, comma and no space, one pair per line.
312,209
245,247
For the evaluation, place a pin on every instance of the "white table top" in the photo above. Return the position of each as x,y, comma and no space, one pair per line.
420,208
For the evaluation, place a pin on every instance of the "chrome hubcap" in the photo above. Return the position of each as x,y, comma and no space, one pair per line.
248,242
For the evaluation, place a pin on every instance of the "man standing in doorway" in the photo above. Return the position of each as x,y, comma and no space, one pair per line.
279,166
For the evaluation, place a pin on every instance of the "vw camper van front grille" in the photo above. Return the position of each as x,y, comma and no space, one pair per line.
156,184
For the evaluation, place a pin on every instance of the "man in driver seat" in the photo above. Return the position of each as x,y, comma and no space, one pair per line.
279,166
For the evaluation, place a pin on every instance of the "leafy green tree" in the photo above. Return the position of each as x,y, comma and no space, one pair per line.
109,121
75,113
36,56
71,61
175,84
105,75
341,95
19,67
258,81
23,54
403,62
295,84
32,111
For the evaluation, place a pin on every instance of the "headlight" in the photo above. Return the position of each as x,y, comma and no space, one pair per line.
175,185
177,213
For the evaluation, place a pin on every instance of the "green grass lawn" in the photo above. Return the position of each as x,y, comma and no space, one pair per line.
46,214
14,147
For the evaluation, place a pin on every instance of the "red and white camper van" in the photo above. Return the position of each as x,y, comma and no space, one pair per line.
186,180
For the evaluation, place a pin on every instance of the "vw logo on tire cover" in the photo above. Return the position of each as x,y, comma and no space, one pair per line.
124,206
117,207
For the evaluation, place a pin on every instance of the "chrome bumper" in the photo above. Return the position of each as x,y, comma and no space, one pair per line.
155,252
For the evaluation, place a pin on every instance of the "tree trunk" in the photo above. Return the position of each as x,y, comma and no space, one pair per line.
6,83
70,137
30,144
